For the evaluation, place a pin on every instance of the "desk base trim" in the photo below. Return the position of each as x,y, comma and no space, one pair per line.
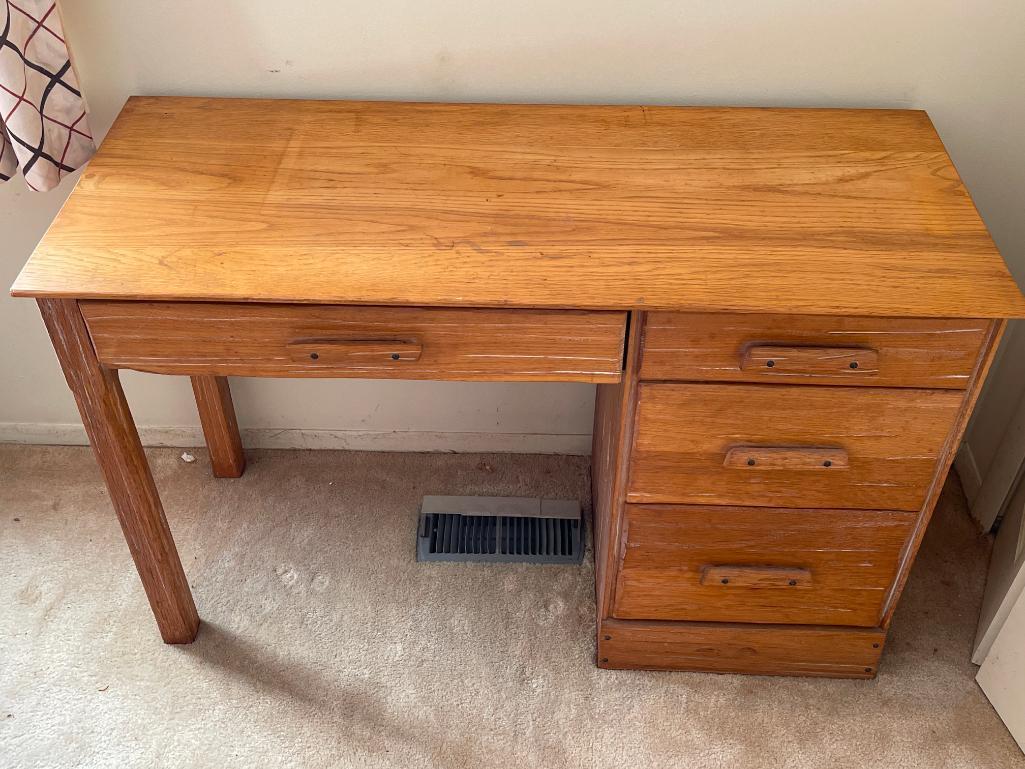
787,650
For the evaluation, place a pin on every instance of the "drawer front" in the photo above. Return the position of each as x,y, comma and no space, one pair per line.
784,446
370,342
735,564
795,349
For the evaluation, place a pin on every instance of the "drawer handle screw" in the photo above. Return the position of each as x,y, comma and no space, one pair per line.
854,364
793,582
395,356
750,463
725,581
314,355
770,363
828,463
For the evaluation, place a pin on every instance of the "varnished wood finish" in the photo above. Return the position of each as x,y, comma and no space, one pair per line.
789,650
327,341
985,361
893,438
758,458
833,211
811,361
613,433
908,352
119,453
757,577
217,415
354,352
676,558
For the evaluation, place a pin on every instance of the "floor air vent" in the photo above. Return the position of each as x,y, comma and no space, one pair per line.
500,529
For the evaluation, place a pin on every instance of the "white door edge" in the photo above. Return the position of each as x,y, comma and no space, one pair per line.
1002,675
1004,472
1006,582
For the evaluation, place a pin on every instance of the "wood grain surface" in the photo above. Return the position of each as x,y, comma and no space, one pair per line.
786,458
220,428
987,354
756,577
367,342
119,453
893,439
806,567
811,361
610,455
833,211
905,352
786,650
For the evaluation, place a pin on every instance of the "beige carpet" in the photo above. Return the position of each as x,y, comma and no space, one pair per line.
326,645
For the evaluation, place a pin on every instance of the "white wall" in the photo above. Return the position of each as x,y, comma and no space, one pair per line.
962,60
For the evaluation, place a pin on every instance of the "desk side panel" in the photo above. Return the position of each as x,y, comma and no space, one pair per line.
971,396
610,455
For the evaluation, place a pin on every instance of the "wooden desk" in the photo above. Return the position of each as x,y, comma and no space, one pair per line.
789,315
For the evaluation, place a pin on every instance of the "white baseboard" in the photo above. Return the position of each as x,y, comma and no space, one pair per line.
354,440
968,472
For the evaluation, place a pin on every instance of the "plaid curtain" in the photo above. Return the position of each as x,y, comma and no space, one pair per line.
43,124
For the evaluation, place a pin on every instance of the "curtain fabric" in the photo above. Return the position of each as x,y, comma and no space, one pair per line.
43,123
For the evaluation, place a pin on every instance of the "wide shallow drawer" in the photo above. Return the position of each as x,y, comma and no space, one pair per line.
788,446
794,349
371,342
744,564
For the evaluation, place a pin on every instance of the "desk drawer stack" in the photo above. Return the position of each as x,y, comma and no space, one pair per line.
762,483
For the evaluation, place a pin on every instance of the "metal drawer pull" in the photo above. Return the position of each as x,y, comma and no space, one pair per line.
786,457
810,361
755,576
329,351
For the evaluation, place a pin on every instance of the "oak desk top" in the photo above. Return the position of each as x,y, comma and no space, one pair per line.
758,210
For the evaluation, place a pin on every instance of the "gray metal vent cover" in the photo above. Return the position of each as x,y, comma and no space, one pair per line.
475,529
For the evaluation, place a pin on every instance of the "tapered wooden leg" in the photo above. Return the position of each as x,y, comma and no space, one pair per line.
115,441
217,415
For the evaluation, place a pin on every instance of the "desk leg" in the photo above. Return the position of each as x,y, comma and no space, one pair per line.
217,415
115,441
